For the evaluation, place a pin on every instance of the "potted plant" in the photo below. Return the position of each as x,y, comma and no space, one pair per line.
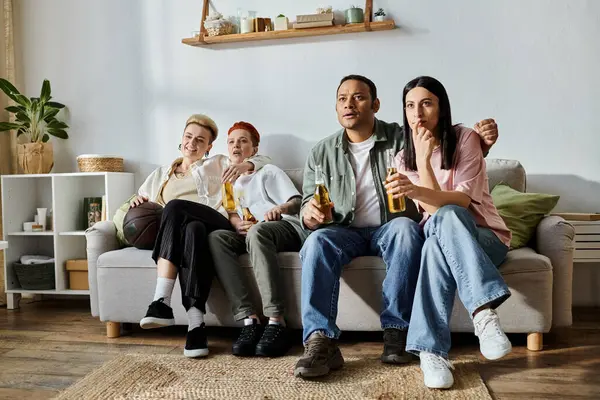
35,117
355,15
379,15
281,23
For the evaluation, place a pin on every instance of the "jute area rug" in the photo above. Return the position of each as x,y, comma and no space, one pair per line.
137,376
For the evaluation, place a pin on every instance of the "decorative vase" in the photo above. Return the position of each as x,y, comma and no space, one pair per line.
35,158
355,16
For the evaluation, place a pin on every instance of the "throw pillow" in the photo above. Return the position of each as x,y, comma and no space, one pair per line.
522,212
118,221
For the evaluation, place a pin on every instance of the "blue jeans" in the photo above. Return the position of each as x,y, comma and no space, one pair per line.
327,250
456,254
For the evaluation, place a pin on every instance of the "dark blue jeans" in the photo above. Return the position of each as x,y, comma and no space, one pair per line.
327,250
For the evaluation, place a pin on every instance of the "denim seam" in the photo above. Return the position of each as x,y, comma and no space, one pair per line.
448,256
324,333
416,349
489,299
394,326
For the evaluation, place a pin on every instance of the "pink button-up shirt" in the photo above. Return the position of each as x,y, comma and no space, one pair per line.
468,176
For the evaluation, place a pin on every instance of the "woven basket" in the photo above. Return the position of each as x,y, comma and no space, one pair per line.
35,276
96,163
218,28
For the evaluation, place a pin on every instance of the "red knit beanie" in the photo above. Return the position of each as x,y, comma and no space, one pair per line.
248,127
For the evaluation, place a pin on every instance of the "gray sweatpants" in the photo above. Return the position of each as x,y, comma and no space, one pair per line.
262,243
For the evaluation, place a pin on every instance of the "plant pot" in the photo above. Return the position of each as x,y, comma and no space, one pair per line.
379,18
355,16
281,23
35,158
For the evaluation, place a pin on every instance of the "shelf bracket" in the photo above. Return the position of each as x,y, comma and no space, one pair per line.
368,14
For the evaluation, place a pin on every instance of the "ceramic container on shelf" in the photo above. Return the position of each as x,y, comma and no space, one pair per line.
355,15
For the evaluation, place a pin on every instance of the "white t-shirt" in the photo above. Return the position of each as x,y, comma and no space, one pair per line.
267,188
367,212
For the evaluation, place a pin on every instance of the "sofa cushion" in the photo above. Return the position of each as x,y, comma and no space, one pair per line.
129,257
522,212
511,172
523,260
297,176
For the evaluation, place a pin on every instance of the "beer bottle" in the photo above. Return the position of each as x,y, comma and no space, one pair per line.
228,198
322,195
394,205
246,214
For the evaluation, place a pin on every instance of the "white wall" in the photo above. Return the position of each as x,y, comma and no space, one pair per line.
130,84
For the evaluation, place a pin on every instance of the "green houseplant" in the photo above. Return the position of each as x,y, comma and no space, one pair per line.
379,15
35,118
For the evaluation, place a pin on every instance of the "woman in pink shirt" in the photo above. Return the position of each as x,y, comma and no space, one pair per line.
443,171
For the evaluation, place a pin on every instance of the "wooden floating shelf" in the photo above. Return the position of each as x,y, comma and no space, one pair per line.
291,33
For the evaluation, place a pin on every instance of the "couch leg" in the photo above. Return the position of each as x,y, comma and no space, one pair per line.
535,341
113,329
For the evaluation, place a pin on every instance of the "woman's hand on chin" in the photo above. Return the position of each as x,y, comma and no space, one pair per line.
424,143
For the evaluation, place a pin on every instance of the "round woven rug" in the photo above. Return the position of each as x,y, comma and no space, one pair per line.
139,376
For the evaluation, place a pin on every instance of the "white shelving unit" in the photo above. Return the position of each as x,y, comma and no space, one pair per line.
63,193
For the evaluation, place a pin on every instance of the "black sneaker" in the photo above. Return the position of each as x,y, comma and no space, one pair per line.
321,355
159,314
245,345
274,341
394,347
195,343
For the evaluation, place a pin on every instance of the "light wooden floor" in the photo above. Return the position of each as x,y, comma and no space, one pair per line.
47,346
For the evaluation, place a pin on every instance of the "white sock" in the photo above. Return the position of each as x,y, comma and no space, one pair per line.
277,322
195,318
250,321
164,289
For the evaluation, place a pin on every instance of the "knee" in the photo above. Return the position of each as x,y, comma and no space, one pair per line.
317,243
258,233
196,228
448,215
405,228
217,238
172,209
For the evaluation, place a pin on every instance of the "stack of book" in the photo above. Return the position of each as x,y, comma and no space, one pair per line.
313,20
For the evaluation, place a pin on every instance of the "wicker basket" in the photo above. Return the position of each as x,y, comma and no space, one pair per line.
97,163
35,276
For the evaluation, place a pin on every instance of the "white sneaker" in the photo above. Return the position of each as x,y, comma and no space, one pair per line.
436,371
493,343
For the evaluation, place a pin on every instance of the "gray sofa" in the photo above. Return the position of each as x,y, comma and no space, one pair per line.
122,280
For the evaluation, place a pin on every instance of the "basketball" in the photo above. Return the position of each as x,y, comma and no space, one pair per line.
141,223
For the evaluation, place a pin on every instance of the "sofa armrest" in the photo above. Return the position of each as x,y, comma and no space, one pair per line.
555,239
100,238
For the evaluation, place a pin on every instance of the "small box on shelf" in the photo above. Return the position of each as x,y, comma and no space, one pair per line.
78,274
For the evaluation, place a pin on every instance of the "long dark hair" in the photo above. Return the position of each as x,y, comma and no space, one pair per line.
447,135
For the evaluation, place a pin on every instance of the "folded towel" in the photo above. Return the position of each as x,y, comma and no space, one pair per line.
28,260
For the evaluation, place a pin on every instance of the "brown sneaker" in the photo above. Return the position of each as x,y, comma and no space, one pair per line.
321,355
